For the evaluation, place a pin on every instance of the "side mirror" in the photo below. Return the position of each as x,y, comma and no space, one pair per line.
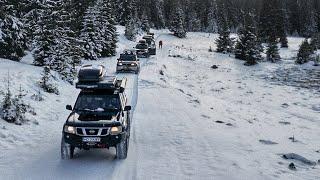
69,107
127,108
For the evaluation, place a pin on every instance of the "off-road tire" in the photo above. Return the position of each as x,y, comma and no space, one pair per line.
122,148
67,151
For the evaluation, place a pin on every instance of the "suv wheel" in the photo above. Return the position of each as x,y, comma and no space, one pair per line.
67,151
122,149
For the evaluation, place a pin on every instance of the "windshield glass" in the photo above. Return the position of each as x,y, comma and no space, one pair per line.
127,57
97,103
142,46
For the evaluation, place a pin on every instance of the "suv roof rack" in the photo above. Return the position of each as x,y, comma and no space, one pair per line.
147,37
92,73
108,83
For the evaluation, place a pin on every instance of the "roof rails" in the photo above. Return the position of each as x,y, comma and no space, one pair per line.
108,83
147,37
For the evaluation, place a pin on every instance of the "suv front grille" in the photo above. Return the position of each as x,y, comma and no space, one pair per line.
86,131
92,131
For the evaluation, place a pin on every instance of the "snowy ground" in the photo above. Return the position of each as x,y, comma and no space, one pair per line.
190,121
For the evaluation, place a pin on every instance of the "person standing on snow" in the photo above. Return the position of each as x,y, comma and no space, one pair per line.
160,44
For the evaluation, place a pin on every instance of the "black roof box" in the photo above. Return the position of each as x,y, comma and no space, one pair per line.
91,73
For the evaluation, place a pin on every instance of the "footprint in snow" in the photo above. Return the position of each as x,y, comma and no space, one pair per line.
220,122
267,142
205,116
284,122
299,158
285,105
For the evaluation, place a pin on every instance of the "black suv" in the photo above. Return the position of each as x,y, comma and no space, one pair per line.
128,62
151,44
142,49
100,117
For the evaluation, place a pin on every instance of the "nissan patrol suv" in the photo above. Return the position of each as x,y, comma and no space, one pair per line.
128,62
100,117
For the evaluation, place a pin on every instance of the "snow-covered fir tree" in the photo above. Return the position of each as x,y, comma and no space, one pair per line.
99,32
132,29
125,9
273,51
7,106
55,41
284,41
305,52
20,107
248,46
12,34
272,20
177,23
315,41
107,26
224,41
47,81
145,25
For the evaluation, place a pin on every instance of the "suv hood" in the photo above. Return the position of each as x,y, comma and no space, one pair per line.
103,117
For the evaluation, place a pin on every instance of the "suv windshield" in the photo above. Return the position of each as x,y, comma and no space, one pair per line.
97,103
127,57
142,46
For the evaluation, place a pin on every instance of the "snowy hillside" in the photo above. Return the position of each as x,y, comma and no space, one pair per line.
190,121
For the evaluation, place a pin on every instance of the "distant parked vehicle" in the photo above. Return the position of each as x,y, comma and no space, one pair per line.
150,34
128,62
151,44
142,49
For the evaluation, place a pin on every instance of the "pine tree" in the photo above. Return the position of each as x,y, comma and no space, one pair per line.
20,108
145,25
46,82
177,23
12,34
224,42
284,41
271,20
131,30
305,51
8,110
315,41
273,51
248,47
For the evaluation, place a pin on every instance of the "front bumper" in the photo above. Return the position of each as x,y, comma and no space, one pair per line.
106,141
127,68
142,54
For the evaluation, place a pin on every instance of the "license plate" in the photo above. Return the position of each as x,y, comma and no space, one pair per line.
91,139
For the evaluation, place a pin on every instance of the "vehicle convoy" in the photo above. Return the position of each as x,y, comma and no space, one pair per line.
128,62
142,49
151,44
100,117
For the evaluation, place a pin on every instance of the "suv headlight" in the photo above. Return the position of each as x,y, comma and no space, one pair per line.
116,130
69,129
120,64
